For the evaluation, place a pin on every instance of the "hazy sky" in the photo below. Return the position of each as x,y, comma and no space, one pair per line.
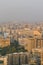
21,10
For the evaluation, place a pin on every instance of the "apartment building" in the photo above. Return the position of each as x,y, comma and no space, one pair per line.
18,58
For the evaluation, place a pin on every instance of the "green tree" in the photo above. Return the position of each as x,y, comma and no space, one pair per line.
14,47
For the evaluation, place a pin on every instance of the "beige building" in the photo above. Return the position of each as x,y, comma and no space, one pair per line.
3,60
4,42
34,45
39,48
28,43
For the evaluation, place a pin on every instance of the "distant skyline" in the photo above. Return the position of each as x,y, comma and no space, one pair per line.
21,10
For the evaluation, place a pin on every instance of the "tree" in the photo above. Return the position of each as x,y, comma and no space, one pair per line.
14,47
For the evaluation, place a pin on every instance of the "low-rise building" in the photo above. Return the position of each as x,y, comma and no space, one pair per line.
3,60
4,42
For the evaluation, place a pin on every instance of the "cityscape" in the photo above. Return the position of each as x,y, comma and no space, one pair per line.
21,32
21,44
